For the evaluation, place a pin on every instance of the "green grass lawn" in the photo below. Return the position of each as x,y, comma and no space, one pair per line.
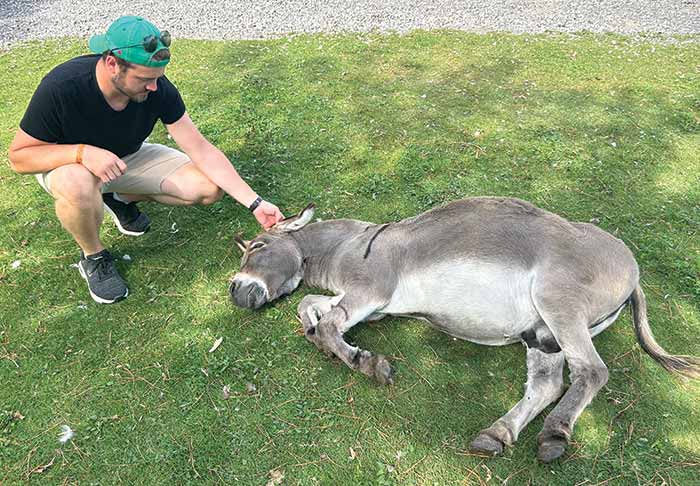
594,128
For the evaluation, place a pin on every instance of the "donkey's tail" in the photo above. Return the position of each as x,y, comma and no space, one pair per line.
684,365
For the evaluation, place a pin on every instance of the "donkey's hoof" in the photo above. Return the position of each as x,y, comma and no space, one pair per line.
383,371
485,444
551,449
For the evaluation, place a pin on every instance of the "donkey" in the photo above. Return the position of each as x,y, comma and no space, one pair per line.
489,270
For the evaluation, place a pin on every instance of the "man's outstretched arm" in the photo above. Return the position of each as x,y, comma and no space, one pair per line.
214,164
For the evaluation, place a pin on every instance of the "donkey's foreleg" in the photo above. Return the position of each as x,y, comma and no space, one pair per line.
327,335
313,307
545,383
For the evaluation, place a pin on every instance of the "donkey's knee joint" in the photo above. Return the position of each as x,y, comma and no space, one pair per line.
599,376
325,329
594,377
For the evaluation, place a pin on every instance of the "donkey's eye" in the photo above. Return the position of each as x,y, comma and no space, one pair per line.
256,245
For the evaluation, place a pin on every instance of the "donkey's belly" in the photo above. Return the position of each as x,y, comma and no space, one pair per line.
479,302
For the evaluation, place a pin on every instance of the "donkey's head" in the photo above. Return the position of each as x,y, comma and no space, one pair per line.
272,263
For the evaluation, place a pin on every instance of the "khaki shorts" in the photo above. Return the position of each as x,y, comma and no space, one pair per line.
145,170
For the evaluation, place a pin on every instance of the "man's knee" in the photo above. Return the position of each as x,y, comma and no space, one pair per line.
74,183
205,193
211,194
191,186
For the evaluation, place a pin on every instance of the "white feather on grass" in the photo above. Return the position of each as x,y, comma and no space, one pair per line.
216,344
66,434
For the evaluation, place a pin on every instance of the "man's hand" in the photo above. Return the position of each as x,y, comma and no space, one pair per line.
267,214
102,163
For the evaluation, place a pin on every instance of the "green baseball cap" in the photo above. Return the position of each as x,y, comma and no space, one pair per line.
133,39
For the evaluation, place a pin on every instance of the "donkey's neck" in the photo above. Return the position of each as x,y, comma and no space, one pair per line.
319,242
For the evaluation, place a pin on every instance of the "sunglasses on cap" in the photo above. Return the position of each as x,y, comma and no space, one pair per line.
150,42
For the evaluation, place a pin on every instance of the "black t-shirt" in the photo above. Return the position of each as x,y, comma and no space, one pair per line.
68,107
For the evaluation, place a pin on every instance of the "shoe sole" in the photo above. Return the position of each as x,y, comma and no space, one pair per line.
121,229
97,298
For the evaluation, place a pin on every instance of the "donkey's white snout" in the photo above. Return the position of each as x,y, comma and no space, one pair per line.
248,292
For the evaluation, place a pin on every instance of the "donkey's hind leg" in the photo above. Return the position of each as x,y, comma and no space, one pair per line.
568,321
545,383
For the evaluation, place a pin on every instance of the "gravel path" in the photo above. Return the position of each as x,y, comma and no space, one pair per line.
255,19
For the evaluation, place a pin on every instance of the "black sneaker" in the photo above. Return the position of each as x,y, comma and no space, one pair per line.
127,217
104,282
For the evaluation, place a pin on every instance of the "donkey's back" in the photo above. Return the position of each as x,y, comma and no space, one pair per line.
476,267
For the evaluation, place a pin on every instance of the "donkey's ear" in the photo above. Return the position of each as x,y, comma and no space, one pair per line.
297,222
241,243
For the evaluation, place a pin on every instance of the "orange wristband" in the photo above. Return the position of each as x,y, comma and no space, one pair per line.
79,153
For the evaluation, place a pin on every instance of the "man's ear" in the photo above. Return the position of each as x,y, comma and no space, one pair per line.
111,63
297,222
241,243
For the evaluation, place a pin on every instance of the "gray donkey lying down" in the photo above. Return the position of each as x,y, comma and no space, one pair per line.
492,271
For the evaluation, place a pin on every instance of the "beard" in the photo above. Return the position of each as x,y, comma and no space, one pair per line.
120,86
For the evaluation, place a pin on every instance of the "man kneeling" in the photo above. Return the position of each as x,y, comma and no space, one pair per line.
83,137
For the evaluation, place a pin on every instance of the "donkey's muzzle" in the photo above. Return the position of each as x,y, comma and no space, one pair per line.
247,294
